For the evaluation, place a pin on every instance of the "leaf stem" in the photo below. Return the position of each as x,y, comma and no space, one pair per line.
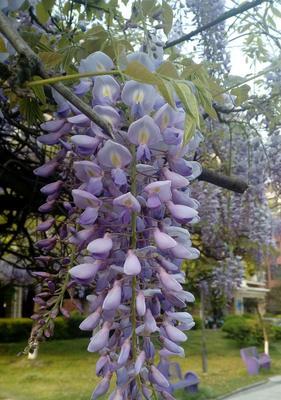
60,78
133,246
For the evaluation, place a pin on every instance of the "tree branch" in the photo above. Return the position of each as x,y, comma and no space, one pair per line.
24,50
230,183
85,3
223,17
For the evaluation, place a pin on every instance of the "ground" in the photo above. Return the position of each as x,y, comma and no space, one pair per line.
269,390
65,371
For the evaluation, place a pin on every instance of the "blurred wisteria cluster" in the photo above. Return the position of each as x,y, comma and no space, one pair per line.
127,226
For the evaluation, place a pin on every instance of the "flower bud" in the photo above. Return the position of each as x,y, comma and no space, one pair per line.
132,265
113,297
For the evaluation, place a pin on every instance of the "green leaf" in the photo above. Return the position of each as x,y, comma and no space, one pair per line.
148,7
50,59
241,93
140,73
69,54
42,13
168,69
188,100
189,128
30,110
205,98
32,38
271,21
166,90
276,11
44,9
167,17
2,45
39,90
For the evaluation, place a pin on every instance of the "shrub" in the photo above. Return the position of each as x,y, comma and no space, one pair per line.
198,322
18,329
244,330
276,332
14,329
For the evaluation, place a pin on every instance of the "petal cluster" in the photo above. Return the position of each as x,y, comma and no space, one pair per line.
125,201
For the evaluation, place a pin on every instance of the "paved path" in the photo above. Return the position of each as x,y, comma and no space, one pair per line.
268,391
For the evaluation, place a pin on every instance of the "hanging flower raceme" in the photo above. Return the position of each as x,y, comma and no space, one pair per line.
129,197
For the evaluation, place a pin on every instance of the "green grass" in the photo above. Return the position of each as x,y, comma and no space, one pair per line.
64,369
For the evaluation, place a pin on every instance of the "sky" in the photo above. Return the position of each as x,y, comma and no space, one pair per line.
239,66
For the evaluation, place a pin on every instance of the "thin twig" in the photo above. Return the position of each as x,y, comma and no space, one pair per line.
223,17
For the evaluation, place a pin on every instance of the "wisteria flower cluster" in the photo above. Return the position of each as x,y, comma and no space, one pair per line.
127,223
227,277
214,41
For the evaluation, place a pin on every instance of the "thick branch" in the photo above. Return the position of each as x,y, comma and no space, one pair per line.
230,183
223,17
23,49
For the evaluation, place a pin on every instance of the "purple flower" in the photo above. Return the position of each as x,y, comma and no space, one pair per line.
47,169
177,180
139,362
100,340
96,62
85,144
46,244
45,225
83,199
129,216
85,170
89,216
51,188
165,117
172,136
113,297
143,59
80,120
174,334
158,192
85,272
100,248
110,115
163,241
125,352
128,201
171,346
132,265
106,90
83,87
184,252
102,387
92,321
182,213
144,132
140,304
158,378
150,324
116,156
168,281
140,97
53,125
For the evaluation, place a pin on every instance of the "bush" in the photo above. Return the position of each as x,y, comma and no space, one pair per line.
276,332
244,330
14,329
198,323
18,329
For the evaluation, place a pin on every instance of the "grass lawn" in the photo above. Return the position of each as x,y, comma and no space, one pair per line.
64,369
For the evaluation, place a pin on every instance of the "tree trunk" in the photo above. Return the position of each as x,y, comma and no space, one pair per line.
264,331
204,354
